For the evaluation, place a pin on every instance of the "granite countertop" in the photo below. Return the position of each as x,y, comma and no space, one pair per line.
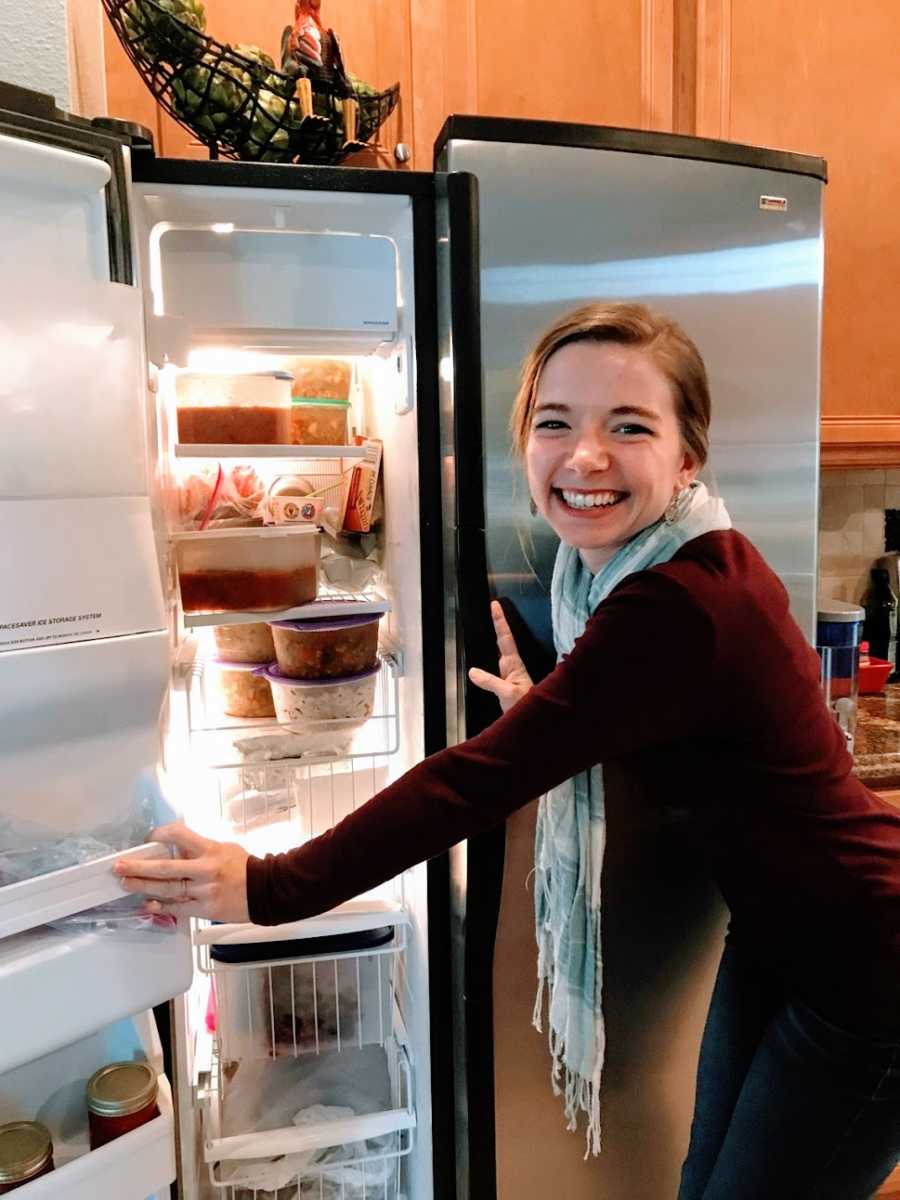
877,749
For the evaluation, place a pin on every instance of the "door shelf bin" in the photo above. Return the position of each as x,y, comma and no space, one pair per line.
128,971
223,741
297,1033
33,902
51,1090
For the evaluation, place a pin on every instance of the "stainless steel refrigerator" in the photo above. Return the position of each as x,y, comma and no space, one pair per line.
728,240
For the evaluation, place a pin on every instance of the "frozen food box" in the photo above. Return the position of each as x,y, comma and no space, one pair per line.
253,409
329,648
306,701
248,570
240,690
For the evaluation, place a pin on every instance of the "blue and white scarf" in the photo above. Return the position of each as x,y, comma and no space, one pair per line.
571,828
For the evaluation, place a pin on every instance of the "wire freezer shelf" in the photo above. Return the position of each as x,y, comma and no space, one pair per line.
305,799
222,741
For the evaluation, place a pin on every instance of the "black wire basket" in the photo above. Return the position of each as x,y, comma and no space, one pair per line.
235,100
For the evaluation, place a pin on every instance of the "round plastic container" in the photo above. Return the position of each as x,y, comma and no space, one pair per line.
326,649
26,1153
248,570
317,421
306,701
120,1097
253,409
243,692
245,643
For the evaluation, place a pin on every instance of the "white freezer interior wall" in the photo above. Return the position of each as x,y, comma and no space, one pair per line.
388,382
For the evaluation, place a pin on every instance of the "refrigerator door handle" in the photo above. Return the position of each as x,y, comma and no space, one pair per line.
476,867
464,366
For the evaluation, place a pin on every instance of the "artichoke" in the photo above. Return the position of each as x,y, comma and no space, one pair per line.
211,94
267,139
262,62
166,30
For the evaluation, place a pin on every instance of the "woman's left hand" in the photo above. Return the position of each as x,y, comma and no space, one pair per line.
208,879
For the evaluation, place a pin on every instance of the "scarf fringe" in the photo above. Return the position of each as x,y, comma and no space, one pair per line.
581,1095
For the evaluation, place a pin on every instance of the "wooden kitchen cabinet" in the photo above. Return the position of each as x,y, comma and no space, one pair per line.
579,62
819,76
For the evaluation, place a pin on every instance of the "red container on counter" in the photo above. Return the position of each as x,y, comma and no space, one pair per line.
120,1097
26,1153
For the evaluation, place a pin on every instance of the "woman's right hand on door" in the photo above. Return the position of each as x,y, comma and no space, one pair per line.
513,681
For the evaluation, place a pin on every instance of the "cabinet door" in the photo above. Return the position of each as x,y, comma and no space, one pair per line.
819,79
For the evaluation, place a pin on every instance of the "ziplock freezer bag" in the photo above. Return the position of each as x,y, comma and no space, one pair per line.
126,914
29,849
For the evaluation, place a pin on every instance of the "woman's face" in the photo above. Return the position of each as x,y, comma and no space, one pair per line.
604,454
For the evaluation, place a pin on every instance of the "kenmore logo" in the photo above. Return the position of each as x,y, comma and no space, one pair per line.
376,322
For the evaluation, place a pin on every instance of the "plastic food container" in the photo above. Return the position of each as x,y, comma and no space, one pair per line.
248,570
326,649
304,701
245,643
316,421
120,1097
234,409
327,378
26,1153
243,692
316,947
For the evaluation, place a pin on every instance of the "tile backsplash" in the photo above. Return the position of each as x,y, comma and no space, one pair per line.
852,528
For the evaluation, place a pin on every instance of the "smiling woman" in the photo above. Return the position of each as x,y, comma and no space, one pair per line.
679,663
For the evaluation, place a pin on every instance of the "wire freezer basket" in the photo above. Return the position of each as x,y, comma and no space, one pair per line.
311,1062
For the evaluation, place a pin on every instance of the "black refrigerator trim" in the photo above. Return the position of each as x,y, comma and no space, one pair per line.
147,168
34,117
433,682
485,853
634,141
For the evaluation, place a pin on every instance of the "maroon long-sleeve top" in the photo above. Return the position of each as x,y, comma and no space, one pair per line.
693,677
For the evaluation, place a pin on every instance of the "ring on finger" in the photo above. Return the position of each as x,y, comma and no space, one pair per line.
184,889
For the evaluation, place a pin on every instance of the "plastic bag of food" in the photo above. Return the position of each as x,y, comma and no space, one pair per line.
212,497
126,914
29,849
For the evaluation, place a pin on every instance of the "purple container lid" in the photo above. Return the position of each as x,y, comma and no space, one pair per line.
323,624
274,675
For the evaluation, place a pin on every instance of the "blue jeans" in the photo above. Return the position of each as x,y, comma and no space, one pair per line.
789,1107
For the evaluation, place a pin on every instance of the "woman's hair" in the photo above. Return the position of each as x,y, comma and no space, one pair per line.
628,325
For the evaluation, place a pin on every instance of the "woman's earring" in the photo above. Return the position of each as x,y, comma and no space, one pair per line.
677,507
532,507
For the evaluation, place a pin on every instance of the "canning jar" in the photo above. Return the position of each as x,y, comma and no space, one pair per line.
120,1097
26,1153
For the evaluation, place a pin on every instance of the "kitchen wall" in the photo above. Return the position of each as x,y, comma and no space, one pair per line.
851,528
34,51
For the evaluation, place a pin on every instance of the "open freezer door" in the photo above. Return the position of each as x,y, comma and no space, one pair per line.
84,651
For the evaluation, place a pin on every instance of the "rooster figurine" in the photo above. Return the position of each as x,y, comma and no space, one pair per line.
311,54
309,50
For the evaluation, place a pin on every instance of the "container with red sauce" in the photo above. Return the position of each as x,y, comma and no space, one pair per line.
26,1153
120,1097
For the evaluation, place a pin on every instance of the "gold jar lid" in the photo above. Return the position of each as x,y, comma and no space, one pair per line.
25,1149
120,1089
